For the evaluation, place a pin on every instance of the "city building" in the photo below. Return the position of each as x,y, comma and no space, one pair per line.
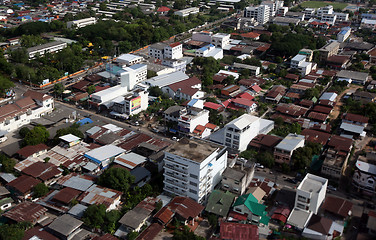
32,106
365,174
353,77
238,133
129,59
166,79
203,36
286,21
260,14
220,40
210,51
310,194
131,103
273,6
284,150
367,23
299,62
104,155
249,205
329,18
191,118
329,50
308,13
50,47
185,90
237,179
193,168
81,22
188,11
169,51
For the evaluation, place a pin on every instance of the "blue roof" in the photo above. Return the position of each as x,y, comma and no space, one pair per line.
84,121
206,47
136,66
192,102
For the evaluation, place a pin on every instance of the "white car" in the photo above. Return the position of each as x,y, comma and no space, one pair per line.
3,139
258,165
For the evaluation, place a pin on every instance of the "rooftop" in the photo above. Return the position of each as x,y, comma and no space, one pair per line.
26,211
130,160
194,149
312,183
243,121
220,202
366,167
99,195
231,230
233,174
338,206
290,142
103,153
65,224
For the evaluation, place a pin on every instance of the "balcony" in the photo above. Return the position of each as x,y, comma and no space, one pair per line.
174,176
174,191
171,167
173,183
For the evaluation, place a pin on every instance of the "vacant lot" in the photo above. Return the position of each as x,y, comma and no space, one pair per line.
318,4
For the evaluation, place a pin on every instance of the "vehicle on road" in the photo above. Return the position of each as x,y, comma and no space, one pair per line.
332,188
175,139
258,165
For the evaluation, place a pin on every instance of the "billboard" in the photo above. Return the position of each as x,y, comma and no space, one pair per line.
136,103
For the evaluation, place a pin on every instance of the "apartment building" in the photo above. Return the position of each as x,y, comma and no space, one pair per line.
299,62
344,34
284,150
220,40
210,51
237,179
308,13
32,106
162,50
310,194
132,103
329,18
81,23
329,50
192,117
325,10
342,16
273,6
129,59
368,23
188,11
50,47
260,14
364,178
203,36
238,133
193,168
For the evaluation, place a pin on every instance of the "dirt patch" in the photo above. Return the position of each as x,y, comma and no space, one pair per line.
337,108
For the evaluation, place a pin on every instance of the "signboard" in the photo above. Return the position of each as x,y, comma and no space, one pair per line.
136,103
66,73
45,81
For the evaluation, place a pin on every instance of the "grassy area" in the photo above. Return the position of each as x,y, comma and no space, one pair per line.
318,4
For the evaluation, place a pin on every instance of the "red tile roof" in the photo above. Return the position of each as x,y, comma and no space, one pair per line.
26,211
316,136
81,85
291,109
36,95
318,116
263,140
24,183
320,224
107,236
243,102
238,231
199,129
38,232
163,9
338,59
66,195
212,105
339,143
42,170
27,151
164,215
256,88
26,102
211,126
185,207
292,76
186,86
150,232
322,109
175,44
134,141
338,206
245,95
264,47
355,118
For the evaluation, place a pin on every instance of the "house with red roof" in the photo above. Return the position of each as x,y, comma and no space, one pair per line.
238,231
163,10
185,90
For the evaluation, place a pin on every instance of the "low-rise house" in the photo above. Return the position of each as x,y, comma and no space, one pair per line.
101,195
219,203
46,172
32,151
104,155
38,233
192,117
50,47
185,90
284,150
315,136
292,110
322,228
254,70
26,212
67,227
237,179
5,199
173,113
319,117
265,142
355,119
231,230
352,131
352,77
249,205
364,97
275,94
281,214
338,61
337,207
141,176
230,90
23,186
130,160
336,156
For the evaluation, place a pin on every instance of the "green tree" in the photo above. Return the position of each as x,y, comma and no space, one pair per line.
73,129
24,131
38,134
91,89
94,216
14,231
266,159
58,89
40,190
132,235
5,85
116,178
155,91
7,163
19,55
186,234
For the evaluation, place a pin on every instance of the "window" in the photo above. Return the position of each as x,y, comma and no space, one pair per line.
236,137
237,182
193,176
228,139
236,142
228,134
192,191
193,183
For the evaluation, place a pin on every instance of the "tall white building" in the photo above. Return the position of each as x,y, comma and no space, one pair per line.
192,117
260,14
162,50
220,40
132,75
273,6
238,133
192,168
81,23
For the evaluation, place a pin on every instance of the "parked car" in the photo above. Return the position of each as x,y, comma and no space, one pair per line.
259,165
332,188
175,139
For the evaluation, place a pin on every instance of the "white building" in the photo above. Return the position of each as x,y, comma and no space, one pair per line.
309,196
162,50
364,177
193,167
329,18
308,13
273,6
344,34
132,103
166,79
325,10
299,62
32,106
238,133
176,64
189,119
368,23
284,150
220,40
81,23
50,47
129,59
260,14
132,75
342,16
210,51
188,11
185,90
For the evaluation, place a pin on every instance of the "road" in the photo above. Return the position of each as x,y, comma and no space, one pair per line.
337,108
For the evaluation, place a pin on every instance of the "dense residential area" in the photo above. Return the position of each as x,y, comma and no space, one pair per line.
218,119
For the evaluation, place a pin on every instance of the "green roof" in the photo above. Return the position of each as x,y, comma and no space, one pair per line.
265,219
219,202
251,203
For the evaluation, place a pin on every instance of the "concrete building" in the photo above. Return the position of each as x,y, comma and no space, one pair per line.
129,59
210,51
329,50
193,168
81,23
237,179
220,40
260,14
238,133
162,50
324,10
367,23
166,79
32,106
286,21
329,18
344,34
284,150
50,47
273,6
310,194
299,62
308,13
364,178
104,155
192,117
342,16
188,11
132,103
203,36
